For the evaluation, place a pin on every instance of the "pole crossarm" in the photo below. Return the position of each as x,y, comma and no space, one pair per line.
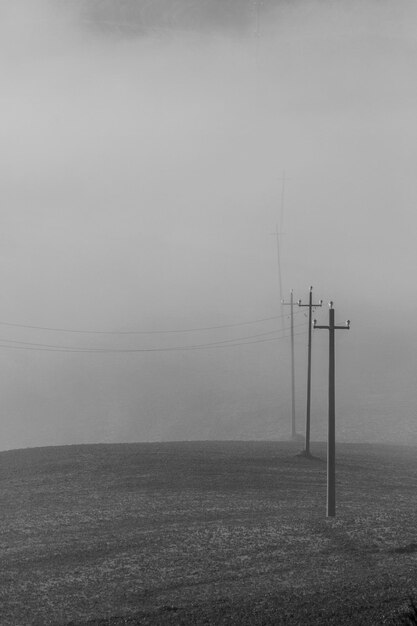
331,433
331,325
346,326
310,303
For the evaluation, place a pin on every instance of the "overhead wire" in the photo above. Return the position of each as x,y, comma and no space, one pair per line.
141,332
23,345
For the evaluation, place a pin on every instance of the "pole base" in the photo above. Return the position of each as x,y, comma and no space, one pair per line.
309,456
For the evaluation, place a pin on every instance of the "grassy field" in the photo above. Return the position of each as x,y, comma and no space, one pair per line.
206,533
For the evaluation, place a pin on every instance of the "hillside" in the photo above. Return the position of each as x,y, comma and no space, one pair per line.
220,532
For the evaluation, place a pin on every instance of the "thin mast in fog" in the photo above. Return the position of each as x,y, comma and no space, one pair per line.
291,304
258,4
280,289
278,233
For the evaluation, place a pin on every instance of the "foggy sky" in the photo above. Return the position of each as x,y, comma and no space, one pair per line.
141,181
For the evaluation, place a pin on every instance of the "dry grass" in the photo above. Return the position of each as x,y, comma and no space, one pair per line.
213,533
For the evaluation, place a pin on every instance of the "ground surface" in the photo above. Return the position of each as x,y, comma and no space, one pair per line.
214,533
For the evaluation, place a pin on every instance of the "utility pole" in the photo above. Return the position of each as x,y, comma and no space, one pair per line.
291,304
331,433
310,326
278,234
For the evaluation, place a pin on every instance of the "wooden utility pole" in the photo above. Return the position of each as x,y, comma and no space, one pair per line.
292,424
310,312
331,434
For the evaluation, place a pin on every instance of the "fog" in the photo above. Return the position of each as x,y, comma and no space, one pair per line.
142,156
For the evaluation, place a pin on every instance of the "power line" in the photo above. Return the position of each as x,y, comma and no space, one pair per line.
248,343
87,349
228,343
224,341
139,332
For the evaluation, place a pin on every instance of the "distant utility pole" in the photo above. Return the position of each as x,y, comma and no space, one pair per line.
310,309
278,233
281,218
258,6
291,304
331,435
